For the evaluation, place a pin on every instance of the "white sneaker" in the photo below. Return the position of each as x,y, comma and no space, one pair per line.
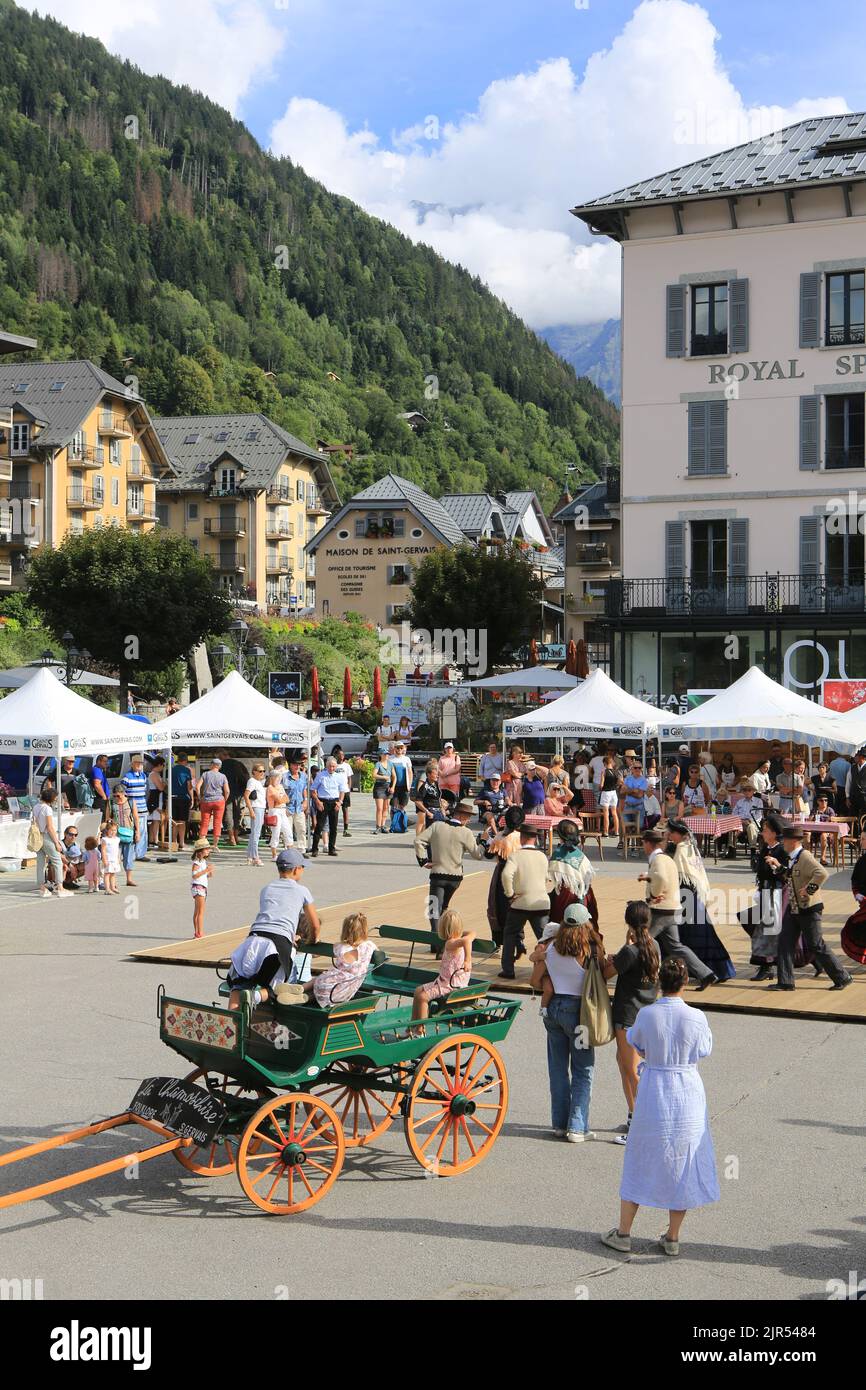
616,1241
573,1138
64,893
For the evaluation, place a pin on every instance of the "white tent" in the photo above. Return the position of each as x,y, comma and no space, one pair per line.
43,716
757,707
234,712
530,678
595,707
17,676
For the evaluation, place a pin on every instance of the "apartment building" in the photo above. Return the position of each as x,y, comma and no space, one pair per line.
744,381
590,526
251,497
77,450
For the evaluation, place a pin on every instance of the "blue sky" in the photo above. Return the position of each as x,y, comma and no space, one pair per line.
475,125
388,63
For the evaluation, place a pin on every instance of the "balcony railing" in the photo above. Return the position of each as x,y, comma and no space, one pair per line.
279,492
845,456
280,530
229,561
86,455
114,425
85,498
846,337
279,564
750,596
24,492
224,526
140,509
593,553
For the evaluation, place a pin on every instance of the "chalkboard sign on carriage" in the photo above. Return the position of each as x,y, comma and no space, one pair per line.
189,1111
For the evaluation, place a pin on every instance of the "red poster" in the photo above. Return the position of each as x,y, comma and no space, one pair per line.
844,695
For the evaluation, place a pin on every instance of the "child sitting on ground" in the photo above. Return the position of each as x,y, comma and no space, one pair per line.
455,966
352,953
92,863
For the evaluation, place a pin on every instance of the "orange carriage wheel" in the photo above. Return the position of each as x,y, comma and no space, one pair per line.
364,1110
216,1159
291,1153
456,1105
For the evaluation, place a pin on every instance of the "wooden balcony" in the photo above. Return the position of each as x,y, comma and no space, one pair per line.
229,562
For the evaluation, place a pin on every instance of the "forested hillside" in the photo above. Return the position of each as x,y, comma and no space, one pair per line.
143,227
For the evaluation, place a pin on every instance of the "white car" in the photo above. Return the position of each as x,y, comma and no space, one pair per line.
345,734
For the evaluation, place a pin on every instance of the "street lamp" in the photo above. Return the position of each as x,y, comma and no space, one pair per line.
248,659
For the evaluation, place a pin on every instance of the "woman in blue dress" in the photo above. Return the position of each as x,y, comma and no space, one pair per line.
669,1157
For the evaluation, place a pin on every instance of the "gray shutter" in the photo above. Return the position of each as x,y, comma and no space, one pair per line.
717,437
810,300
810,407
675,566
738,311
810,562
675,321
698,429
738,564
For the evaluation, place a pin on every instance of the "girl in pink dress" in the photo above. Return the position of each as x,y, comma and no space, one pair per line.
455,966
342,980
513,776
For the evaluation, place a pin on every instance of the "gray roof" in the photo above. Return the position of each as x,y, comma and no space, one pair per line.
11,342
28,384
195,442
395,491
821,150
472,511
593,497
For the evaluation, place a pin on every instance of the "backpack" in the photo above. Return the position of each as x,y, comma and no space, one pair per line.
84,793
35,838
399,821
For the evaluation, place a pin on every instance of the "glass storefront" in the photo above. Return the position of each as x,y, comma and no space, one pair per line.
663,666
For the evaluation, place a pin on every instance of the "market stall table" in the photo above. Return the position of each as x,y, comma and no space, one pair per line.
549,823
715,827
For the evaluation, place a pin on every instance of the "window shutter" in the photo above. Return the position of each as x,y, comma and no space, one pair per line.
698,424
675,321
809,416
738,308
675,565
810,562
738,564
810,298
717,437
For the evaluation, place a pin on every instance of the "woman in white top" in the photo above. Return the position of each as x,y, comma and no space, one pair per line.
560,974
43,816
255,798
276,801
385,734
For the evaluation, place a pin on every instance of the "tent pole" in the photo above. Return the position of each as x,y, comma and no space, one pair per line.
170,807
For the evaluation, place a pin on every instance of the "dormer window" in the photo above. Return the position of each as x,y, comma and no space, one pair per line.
21,439
228,479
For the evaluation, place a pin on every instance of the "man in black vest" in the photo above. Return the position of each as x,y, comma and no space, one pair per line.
855,788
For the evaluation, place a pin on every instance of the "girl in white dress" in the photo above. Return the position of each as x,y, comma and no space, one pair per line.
669,1156
110,849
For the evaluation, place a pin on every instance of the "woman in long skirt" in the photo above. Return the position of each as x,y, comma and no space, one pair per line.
763,920
669,1158
502,846
694,924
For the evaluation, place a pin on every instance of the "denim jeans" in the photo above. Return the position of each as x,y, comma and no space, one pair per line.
569,1067
141,842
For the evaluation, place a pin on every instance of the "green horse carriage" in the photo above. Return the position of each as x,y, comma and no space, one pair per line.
342,1076
279,1092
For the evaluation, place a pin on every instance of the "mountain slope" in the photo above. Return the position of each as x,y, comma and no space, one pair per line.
142,226
593,349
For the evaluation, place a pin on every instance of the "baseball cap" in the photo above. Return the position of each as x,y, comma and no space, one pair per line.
684,748
550,931
576,915
290,859
448,745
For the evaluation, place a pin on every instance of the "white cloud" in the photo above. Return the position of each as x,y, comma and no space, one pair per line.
493,191
218,47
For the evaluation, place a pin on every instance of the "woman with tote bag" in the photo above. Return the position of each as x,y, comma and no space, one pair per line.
565,959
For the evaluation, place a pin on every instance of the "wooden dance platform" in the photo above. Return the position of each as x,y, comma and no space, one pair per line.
405,908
